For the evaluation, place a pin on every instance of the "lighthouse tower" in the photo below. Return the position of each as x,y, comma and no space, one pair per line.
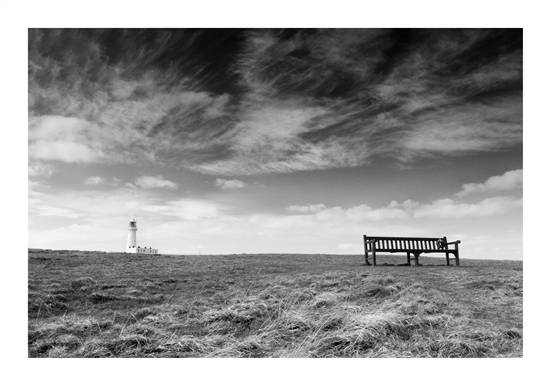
131,244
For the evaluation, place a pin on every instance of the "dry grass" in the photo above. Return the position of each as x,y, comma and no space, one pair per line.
85,304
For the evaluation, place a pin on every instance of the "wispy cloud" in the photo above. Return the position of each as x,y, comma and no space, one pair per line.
448,208
229,184
283,101
101,181
52,211
118,204
510,180
40,170
306,209
64,139
94,180
151,182
445,208
186,209
442,208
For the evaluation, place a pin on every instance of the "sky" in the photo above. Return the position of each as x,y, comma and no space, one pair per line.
275,141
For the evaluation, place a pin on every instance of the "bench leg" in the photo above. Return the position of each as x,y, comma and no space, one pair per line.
373,255
408,258
447,257
457,260
416,259
366,256
366,251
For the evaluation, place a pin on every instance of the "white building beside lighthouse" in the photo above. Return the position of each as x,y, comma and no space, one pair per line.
131,241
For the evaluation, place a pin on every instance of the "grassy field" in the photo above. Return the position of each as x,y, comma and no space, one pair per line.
91,304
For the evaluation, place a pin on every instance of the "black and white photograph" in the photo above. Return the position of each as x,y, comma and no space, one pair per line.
254,192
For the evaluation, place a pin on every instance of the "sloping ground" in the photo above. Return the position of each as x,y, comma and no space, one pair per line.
85,304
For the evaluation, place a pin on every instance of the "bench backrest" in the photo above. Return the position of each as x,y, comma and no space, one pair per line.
404,243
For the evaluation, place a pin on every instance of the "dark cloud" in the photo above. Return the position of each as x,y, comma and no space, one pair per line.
235,102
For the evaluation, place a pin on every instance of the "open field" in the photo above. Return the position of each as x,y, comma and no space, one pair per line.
91,304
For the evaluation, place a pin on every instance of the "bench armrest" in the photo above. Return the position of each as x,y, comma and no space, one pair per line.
371,241
453,243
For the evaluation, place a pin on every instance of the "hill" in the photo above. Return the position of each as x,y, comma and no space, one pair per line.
92,304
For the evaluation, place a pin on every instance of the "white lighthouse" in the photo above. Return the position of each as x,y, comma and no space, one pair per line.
131,241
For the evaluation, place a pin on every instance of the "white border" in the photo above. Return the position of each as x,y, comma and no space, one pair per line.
18,16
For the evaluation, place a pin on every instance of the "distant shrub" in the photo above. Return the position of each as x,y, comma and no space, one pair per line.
83,282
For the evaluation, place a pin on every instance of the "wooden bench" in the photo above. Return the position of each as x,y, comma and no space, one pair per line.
414,246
